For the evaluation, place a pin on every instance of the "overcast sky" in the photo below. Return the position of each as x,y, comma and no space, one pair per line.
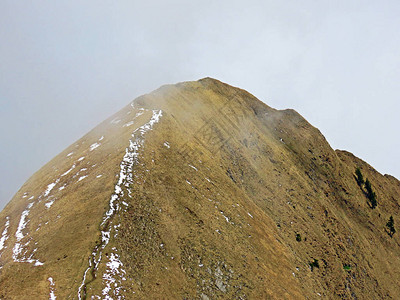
67,65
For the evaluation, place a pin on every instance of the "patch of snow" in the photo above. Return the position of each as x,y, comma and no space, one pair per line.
166,144
98,176
84,279
102,138
250,215
18,256
82,177
208,180
113,277
61,188
129,124
52,295
105,237
115,121
50,203
4,235
37,263
50,187
226,218
141,111
188,182
94,146
193,167
81,158
31,197
73,167
69,154
22,222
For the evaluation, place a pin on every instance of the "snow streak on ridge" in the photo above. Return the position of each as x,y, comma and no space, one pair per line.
4,235
124,181
114,269
50,187
52,295
18,247
18,254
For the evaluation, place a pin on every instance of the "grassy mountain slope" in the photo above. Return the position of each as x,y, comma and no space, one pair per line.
208,203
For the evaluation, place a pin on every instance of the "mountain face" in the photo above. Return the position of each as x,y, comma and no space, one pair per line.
200,191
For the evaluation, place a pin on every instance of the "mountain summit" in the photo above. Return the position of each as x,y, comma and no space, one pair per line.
200,191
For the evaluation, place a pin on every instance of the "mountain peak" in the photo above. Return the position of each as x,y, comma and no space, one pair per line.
200,190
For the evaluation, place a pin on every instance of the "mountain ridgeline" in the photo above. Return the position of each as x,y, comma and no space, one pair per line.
200,191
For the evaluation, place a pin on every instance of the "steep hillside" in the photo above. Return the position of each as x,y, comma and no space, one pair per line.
200,191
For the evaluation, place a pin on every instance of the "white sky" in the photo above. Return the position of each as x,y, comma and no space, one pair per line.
67,65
